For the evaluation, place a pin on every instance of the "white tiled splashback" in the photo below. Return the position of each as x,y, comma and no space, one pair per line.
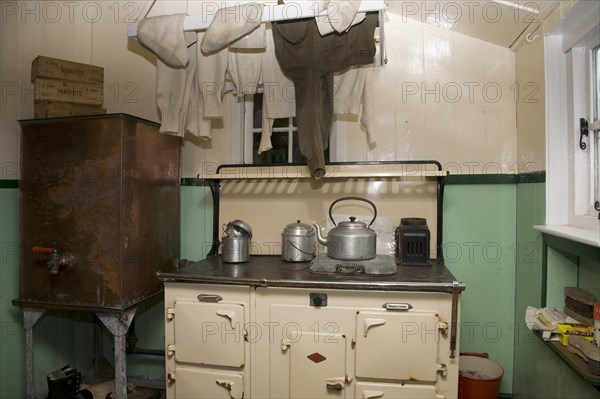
442,95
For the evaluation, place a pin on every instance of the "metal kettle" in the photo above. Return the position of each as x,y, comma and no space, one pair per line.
350,239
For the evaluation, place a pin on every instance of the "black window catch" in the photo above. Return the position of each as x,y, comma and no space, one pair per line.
583,131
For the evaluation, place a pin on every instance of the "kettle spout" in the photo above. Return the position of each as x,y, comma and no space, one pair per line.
322,240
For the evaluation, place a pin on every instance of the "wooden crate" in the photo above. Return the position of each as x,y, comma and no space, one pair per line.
52,109
70,92
54,68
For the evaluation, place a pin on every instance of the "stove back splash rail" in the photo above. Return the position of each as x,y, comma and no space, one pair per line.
387,182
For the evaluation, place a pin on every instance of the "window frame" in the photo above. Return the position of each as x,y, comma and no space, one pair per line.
582,77
244,155
570,173
249,130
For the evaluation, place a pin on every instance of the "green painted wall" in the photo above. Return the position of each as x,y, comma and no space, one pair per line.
538,373
530,212
562,267
479,249
196,222
12,362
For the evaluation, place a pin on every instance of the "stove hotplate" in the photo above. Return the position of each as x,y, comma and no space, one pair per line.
381,265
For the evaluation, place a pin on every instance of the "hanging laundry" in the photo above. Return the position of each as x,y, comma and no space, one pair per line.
353,89
212,68
189,83
339,17
253,40
279,96
310,60
244,69
164,36
196,124
175,67
230,24
245,57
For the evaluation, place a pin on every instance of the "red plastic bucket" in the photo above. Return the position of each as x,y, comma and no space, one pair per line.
478,376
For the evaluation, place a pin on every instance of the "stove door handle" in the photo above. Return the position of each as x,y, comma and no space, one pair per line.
368,394
397,306
335,386
209,298
368,323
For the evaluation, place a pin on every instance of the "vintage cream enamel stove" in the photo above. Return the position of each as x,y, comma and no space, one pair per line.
273,329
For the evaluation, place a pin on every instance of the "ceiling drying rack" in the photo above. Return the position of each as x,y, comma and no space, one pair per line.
271,13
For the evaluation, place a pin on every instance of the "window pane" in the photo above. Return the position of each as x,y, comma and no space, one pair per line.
281,122
277,155
279,139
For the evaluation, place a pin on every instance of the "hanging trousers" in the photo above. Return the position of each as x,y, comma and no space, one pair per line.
310,60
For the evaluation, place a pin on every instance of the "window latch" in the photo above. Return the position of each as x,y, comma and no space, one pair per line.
583,131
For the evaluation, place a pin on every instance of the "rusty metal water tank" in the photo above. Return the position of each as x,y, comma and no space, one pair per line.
99,211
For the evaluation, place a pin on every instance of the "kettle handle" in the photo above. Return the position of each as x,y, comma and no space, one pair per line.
353,198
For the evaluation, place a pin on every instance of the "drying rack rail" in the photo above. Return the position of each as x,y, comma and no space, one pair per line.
400,169
271,13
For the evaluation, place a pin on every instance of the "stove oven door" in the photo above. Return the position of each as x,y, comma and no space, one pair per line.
309,350
317,365
401,346
208,384
209,334
381,390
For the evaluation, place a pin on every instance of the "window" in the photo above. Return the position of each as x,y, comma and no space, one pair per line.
284,138
572,61
583,60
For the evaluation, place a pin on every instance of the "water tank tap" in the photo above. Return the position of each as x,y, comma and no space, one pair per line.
55,260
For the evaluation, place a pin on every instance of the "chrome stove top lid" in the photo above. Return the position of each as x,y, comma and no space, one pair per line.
381,265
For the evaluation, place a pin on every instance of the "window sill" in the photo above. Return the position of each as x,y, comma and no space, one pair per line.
583,236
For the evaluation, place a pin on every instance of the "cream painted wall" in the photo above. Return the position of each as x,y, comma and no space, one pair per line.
441,96
93,33
531,107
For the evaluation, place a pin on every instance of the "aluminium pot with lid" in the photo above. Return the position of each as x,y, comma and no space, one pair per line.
238,228
235,243
298,242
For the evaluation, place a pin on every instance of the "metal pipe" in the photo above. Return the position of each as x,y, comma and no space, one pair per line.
144,351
